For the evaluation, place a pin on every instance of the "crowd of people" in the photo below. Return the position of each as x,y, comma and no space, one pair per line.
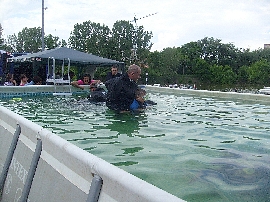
10,81
122,92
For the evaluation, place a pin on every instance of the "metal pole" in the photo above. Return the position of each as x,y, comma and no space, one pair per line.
95,189
31,172
42,31
9,158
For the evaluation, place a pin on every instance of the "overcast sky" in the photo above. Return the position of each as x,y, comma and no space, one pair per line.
245,23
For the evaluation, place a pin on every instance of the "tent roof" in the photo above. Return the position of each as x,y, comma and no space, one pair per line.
62,53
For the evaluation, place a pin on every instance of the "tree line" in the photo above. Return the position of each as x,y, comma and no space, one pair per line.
207,61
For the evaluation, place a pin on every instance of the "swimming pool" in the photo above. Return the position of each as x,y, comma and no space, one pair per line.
197,148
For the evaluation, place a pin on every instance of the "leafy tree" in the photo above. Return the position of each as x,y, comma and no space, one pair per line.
52,42
1,39
154,60
190,52
123,33
63,43
171,64
1,30
201,70
245,57
215,52
29,40
243,75
261,54
209,49
227,55
155,70
222,74
130,44
11,43
259,72
164,66
90,37
122,43
143,44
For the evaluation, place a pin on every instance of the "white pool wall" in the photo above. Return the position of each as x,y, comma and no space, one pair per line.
205,93
64,171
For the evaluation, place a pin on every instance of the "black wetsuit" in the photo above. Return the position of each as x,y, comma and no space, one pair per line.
98,95
121,93
111,76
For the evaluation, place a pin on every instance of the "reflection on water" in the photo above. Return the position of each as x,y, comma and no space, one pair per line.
199,149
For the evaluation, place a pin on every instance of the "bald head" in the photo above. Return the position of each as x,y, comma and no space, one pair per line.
134,72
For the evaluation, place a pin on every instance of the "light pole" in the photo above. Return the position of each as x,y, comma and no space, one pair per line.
42,29
135,45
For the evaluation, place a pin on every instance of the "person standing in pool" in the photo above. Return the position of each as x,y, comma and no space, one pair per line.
122,90
113,73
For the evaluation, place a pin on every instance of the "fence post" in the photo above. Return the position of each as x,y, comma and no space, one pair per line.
9,158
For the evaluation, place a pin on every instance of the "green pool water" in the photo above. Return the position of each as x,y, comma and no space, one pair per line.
199,149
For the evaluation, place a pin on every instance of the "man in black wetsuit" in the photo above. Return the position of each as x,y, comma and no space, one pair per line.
121,90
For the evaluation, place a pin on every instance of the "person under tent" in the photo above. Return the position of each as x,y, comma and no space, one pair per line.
10,81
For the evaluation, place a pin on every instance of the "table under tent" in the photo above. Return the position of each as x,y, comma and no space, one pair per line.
54,66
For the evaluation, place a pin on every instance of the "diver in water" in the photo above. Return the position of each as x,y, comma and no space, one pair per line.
97,93
140,103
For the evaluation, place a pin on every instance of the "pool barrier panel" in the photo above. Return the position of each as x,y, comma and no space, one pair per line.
65,172
260,98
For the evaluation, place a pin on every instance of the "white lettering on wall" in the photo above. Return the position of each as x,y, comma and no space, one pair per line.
18,195
8,184
19,170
